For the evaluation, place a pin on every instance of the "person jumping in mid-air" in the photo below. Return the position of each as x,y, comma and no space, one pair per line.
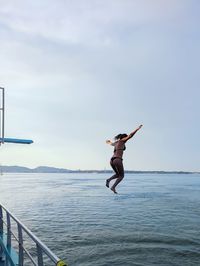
116,161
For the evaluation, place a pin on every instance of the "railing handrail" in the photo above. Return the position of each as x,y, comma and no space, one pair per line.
36,240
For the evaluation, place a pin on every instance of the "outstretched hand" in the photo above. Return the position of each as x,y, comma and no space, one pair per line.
108,141
140,127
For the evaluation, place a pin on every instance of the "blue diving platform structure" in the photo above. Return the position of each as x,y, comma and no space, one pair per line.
17,141
2,124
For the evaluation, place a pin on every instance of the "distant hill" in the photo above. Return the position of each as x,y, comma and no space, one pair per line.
47,169
15,169
40,169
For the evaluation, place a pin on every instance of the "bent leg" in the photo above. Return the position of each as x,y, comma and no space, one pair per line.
120,170
116,175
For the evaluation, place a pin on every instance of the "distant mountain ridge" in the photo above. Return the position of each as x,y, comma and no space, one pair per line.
40,169
48,169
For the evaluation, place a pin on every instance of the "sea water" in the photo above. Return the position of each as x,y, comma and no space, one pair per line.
154,220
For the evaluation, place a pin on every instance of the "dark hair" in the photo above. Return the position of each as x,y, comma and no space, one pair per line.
120,136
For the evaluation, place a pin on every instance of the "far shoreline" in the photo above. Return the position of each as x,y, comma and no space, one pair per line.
47,169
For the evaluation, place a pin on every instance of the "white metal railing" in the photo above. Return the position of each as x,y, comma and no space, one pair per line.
6,224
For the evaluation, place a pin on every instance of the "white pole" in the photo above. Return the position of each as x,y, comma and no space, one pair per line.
2,109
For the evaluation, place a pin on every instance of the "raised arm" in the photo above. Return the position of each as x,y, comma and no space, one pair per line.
131,134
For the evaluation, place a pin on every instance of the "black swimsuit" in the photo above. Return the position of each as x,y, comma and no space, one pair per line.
116,160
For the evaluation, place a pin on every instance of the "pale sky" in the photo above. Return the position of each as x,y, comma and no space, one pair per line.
79,72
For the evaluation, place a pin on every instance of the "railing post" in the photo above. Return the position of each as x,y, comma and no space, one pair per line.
39,255
8,230
1,231
1,220
8,234
21,252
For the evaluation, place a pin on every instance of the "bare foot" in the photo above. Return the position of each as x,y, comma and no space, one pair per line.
107,183
113,189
